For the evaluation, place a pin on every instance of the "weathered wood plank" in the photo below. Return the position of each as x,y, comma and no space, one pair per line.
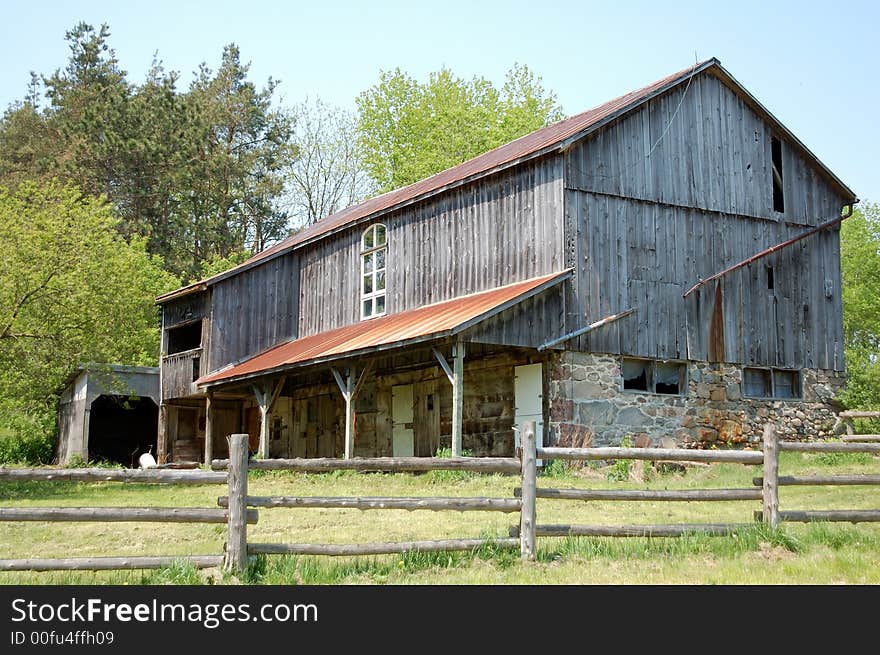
380,548
823,480
436,504
508,465
770,482
836,516
828,447
529,473
653,454
107,563
140,476
860,438
648,494
236,527
120,514
662,530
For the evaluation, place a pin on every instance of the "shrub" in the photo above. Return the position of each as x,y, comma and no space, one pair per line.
620,470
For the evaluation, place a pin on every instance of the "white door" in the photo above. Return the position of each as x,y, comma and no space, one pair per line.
529,399
402,420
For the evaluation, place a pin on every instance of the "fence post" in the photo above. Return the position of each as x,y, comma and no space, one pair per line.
236,538
771,476
529,473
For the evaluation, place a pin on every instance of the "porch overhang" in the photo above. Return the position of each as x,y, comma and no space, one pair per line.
435,322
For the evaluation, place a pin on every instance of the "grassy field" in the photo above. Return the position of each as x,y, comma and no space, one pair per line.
818,553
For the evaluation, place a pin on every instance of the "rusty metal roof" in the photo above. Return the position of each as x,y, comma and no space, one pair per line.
510,153
429,322
526,147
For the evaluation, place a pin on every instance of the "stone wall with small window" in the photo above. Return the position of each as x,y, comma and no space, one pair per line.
600,399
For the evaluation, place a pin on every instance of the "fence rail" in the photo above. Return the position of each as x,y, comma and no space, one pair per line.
237,509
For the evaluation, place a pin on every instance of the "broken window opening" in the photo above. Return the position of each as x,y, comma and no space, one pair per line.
635,374
770,281
776,164
668,378
184,337
197,361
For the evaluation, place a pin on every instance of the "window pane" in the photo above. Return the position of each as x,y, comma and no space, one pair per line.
368,263
668,377
368,238
380,235
380,258
786,383
635,374
368,284
380,281
756,382
380,304
368,307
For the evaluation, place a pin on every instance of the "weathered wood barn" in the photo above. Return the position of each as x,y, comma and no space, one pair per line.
445,313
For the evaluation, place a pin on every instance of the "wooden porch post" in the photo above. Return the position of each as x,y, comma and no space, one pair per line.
456,379
209,429
162,435
265,401
457,396
350,388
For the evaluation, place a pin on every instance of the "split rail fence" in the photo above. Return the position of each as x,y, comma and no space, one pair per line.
237,509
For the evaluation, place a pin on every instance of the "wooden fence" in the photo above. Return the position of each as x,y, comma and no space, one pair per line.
238,509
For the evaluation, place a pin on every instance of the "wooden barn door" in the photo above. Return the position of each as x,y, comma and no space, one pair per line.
529,398
252,427
402,442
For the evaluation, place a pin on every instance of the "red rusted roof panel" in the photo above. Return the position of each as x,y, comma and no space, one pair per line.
384,330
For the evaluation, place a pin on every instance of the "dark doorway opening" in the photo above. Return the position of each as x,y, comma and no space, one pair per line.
122,428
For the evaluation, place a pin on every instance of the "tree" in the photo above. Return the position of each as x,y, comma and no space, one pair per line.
860,266
72,290
199,174
326,173
409,130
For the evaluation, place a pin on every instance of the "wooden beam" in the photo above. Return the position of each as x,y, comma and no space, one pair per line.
120,514
770,483
685,495
107,563
162,435
380,548
529,481
139,476
361,379
237,488
828,447
444,365
455,504
457,397
209,428
343,387
832,515
654,454
662,530
509,465
349,415
823,480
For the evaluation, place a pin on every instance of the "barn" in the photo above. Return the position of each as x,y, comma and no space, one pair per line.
665,266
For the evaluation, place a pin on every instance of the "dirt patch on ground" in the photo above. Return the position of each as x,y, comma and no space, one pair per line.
771,553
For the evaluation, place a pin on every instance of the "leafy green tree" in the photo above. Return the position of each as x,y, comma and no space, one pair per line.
860,266
409,130
72,290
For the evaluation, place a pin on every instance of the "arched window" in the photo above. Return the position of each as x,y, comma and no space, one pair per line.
373,251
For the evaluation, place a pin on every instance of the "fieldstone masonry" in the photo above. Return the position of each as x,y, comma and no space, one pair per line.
589,406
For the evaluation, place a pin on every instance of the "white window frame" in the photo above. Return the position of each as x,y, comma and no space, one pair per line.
370,254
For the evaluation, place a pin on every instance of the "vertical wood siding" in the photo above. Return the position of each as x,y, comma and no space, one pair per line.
502,229
650,227
254,310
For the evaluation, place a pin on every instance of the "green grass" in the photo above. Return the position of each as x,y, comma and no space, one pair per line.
817,553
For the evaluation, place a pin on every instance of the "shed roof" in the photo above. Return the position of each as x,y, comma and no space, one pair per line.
537,143
433,321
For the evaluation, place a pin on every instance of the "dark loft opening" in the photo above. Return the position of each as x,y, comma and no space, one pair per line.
776,161
121,429
770,277
185,337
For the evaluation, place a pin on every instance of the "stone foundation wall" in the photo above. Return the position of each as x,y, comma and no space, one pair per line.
588,406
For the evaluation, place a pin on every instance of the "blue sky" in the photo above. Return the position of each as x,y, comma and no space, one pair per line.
815,66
